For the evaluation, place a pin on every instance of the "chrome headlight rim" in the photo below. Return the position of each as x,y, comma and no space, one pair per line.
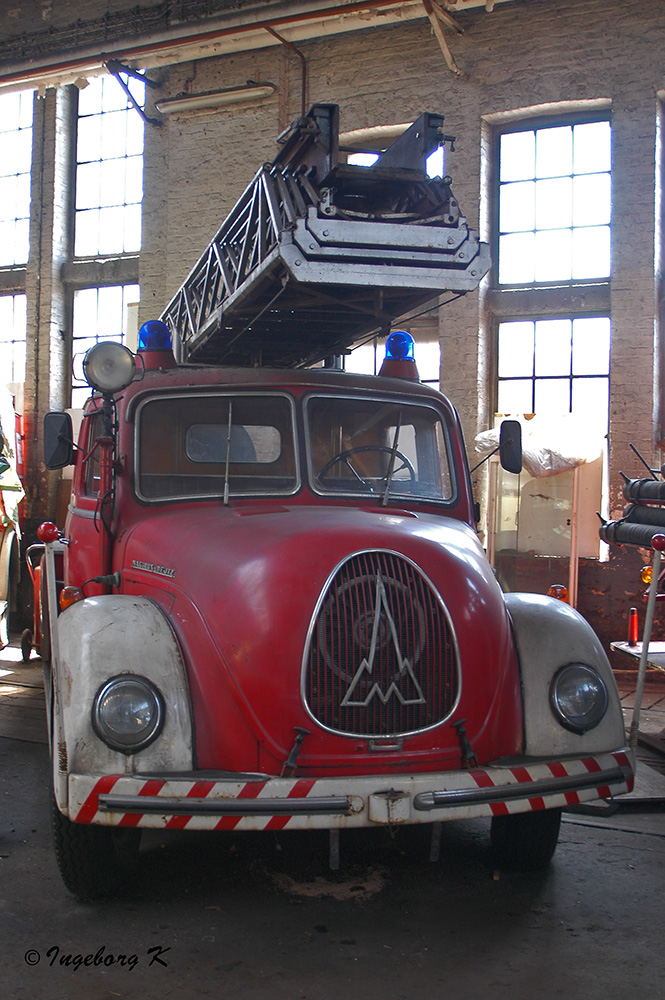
128,743
581,722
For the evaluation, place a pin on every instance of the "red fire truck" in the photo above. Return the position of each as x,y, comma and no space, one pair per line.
268,608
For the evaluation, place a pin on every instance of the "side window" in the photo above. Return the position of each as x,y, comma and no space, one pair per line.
91,478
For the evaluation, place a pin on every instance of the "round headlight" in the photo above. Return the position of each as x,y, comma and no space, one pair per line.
579,697
109,366
128,713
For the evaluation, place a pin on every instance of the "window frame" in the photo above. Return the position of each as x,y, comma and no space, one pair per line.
533,124
218,394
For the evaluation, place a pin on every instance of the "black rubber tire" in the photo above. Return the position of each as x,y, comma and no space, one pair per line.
526,841
26,644
94,861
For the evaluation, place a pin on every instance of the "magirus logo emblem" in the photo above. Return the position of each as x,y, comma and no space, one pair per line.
384,631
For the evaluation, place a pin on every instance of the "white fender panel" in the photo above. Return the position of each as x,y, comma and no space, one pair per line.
99,638
550,634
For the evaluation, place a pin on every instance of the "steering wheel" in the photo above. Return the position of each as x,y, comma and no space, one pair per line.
345,456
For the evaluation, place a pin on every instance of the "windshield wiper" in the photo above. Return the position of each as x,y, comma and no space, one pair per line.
391,463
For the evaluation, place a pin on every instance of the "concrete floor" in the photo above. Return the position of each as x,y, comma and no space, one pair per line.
246,918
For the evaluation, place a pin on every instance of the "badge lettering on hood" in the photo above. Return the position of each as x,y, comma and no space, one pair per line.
152,568
381,616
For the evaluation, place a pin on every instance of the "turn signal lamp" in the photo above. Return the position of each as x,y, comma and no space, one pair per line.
68,596
647,574
109,367
400,361
559,591
155,345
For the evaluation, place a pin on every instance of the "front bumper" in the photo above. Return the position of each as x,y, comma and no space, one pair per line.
221,801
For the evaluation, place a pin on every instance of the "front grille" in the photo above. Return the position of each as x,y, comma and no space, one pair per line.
382,658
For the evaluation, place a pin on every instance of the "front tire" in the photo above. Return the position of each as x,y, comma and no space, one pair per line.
526,841
94,861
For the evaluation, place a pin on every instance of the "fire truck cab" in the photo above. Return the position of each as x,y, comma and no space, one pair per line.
276,614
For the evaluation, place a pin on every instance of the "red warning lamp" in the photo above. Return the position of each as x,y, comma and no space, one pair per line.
48,532
559,591
633,627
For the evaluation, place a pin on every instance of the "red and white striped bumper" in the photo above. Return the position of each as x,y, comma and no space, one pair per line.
258,802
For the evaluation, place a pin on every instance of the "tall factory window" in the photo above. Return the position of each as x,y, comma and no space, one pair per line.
13,327
549,299
109,169
554,203
15,164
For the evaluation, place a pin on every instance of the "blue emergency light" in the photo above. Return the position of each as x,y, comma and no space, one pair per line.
154,336
399,361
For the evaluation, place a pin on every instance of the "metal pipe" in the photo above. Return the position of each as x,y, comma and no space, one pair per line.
303,63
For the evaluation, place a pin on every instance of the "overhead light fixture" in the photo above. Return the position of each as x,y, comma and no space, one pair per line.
216,98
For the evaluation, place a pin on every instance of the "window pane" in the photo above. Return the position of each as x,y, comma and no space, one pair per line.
553,255
517,210
134,179
515,396
554,151
113,96
592,200
516,349
7,198
591,402
592,145
428,360
87,185
362,360
553,347
89,139
591,346
552,395
434,164
111,236
554,203
85,312
87,233
517,154
591,252
516,258
114,134
132,236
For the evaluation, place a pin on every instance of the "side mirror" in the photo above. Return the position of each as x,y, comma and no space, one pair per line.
510,446
58,440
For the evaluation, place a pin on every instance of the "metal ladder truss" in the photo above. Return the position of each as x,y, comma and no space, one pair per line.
318,253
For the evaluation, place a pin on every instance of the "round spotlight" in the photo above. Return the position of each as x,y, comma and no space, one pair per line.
109,367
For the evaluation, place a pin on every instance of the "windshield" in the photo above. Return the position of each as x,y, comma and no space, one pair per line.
215,445
372,446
